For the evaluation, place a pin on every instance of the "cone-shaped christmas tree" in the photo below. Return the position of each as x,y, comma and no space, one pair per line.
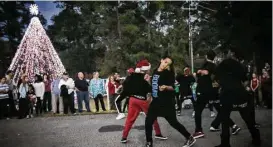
35,54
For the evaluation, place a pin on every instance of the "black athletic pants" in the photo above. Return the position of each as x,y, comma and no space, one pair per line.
217,121
168,112
201,102
125,105
118,101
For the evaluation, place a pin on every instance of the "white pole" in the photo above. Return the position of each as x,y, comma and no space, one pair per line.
190,34
107,94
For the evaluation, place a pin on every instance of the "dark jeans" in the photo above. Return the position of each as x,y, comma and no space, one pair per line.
4,108
23,107
99,98
69,103
267,98
217,121
255,95
47,102
83,96
225,112
12,108
112,98
168,113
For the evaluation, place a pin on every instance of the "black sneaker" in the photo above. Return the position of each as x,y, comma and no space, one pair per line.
198,135
149,144
161,137
235,129
123,140
189,142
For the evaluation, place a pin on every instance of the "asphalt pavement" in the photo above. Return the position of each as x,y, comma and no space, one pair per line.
104,130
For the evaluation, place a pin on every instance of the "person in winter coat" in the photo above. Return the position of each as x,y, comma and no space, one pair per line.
70,85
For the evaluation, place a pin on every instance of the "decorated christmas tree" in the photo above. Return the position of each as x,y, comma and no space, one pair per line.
35,54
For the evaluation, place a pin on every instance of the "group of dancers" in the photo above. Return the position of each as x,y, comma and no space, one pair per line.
156,98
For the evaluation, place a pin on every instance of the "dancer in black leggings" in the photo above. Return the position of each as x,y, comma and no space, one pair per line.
217,121
233,95
162,105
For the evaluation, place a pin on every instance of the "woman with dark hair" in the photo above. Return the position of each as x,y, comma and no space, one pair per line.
163,103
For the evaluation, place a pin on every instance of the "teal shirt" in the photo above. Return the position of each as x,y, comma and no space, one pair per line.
176,88
96,87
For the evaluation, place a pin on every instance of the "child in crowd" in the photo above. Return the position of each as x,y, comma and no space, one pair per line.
32,101
254,84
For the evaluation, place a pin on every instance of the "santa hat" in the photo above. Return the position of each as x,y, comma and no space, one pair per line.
130,70
142,65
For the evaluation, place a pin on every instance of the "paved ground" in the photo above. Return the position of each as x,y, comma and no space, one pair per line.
104,131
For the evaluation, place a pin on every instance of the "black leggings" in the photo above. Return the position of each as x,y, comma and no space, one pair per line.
155,110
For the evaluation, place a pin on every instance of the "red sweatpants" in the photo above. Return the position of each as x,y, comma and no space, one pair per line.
135,107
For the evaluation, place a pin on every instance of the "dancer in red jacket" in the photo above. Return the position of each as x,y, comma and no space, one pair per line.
137,88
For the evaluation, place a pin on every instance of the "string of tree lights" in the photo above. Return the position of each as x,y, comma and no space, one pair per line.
35,54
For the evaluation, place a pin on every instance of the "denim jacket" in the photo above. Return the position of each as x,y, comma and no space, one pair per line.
96,87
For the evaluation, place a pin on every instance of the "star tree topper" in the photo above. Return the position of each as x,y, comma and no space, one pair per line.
33,9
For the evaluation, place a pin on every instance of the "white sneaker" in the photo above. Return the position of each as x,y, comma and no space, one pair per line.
120,116
31,116
142,113
212,114
27,116
8,118
212,129
193,114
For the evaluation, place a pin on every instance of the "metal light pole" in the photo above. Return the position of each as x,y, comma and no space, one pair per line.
190,33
